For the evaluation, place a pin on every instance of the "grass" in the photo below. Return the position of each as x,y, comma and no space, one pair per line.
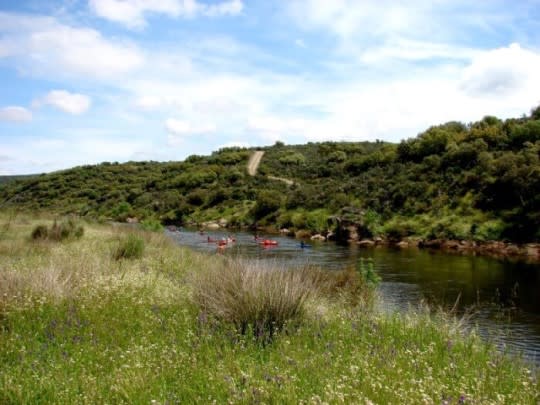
130,246
252,296
78,326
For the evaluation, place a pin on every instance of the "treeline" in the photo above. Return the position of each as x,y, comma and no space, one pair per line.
477,181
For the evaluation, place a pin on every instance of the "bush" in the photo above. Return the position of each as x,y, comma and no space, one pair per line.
398,228
40,232
253,297
488,230
152,225
130,247
64,230
317,220
367,272
261,299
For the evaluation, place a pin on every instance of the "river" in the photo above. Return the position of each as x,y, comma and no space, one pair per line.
502,298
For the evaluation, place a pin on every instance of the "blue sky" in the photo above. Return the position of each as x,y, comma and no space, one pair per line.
83,82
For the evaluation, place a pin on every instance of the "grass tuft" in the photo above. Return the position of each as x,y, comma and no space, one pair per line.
40,232
68,229
253,296
260,298
129,247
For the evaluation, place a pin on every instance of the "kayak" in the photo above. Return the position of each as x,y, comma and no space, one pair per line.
269,242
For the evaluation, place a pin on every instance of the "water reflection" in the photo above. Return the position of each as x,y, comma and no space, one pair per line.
503,294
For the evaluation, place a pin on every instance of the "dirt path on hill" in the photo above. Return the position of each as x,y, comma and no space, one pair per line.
286,181
254,162
253,165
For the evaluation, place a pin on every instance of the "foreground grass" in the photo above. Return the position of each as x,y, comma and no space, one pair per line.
93,329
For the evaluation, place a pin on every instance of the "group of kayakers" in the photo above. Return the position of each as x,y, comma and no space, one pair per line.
222,241
263,242
226,241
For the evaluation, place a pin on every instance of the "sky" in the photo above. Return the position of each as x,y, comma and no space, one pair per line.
88,81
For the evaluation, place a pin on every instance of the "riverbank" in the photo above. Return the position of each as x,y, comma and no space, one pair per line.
529,252
79,324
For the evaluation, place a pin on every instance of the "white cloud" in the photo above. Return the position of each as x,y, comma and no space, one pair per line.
411,50
148,103
346,18
178,130
15,114
274,128
231,7
504,71
46,47
71,103
235,144
132,13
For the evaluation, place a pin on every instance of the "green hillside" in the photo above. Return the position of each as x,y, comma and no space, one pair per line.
8,179
479,181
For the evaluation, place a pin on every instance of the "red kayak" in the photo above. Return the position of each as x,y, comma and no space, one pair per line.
269,242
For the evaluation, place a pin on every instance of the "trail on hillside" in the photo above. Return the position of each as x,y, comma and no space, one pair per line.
284,180
253,165
254,162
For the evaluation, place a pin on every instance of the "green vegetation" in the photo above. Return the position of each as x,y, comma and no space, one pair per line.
130,246
77,326
479,181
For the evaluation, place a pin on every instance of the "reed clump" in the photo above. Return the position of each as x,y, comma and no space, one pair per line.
67,229
262,298
253,296
130,246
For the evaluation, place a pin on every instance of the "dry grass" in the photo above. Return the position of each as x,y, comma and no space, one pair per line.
262,298
253,296
50,271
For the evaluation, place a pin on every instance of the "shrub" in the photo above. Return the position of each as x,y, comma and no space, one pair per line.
40,232
130,247
317,220
398,228
349,286
367,272
64,230
252,296
151,224
260,298
488,230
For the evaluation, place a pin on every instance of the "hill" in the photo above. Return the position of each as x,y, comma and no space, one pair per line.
477,181
8,179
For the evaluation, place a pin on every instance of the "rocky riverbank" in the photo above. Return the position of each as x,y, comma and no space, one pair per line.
529,251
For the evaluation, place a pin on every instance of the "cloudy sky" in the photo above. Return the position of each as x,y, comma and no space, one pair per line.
84,82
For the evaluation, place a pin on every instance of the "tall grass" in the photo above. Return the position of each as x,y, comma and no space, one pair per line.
66,229
262,298
130,246
253,296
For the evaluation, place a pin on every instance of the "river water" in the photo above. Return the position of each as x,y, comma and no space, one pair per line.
501,298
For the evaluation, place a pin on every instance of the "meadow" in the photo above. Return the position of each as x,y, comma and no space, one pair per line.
113,314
